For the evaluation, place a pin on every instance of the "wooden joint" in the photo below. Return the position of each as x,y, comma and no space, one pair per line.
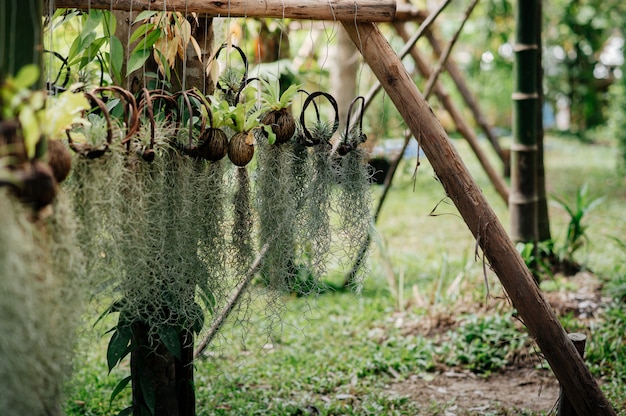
519,147
522,47
519,96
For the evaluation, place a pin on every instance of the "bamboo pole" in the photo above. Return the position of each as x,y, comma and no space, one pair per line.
523,197
541,321
334,10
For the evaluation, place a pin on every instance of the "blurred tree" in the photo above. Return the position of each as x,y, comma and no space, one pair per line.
576,33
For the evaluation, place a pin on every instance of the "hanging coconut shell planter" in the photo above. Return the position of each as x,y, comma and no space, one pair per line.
354,202
278,118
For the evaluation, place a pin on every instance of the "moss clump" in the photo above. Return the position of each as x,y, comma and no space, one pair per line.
40,305
354,207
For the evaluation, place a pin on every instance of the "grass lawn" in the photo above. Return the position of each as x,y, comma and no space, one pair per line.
422,315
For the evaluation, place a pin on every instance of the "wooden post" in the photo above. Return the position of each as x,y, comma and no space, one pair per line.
538,316
462,125
457,76
565,406
350,10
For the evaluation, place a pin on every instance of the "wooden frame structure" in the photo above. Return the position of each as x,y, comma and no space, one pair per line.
357,16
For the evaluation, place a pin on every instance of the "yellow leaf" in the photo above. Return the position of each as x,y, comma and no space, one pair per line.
196,48
62,112
30,130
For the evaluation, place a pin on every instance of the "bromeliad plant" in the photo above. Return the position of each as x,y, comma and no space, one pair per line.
282,124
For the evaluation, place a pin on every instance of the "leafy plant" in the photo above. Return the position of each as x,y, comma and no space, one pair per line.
485,344
576,231
282,124
38,115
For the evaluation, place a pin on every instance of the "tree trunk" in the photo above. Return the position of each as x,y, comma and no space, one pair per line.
21,41
523,196
538,316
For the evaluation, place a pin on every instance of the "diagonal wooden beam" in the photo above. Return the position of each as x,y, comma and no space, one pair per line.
541,321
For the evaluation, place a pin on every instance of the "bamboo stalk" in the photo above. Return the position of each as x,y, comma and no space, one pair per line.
540,319
334,10
523,197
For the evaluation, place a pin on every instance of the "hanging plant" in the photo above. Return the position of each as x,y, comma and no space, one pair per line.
316,233
233,80
41,301
243,120
282,124
354,202
29,121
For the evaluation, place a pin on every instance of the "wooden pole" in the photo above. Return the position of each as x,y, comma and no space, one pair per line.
456,75
462,125
349,10
565,406
538,316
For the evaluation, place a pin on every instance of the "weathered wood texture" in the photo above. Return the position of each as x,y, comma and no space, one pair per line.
541,321
350,10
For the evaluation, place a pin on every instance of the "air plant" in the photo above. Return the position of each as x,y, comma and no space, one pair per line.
243,120
282,124
41,302
354,197
233,80
316,233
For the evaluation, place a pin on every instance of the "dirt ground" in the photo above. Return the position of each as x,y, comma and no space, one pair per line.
510,392
515,391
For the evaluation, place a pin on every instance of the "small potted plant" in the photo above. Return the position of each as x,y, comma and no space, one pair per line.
277,117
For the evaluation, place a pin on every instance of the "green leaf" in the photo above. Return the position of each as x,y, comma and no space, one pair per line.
26,77
116,57
147,42
119,346
146,14
119,387
74,49
91,52
109,23
30,130
93,20
62,112
137,59
169,338
271,136
141,31
81,47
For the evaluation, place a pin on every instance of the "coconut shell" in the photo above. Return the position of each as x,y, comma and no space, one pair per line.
37,186
214,145
59,159
283,124
240,152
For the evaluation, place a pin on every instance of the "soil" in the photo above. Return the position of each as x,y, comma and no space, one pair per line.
509,392
521,389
